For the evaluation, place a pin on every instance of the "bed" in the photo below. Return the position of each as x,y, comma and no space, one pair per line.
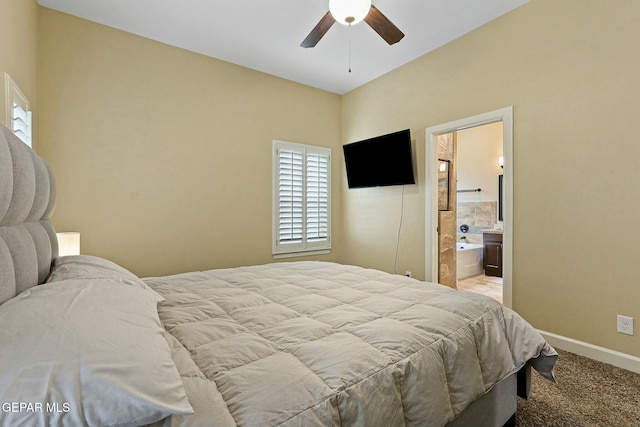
86,342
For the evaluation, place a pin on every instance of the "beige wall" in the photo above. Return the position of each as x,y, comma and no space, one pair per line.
163,156
570,72
18,38
478,151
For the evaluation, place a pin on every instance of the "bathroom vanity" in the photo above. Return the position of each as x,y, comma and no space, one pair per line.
492,259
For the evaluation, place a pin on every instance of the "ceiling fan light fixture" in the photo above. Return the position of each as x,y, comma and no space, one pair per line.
349,12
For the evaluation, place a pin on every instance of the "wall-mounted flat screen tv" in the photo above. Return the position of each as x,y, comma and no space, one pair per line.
381,161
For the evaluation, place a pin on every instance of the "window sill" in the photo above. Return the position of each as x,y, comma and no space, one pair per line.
302,253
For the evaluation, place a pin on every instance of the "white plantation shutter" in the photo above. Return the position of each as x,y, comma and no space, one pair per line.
18,110
290,196
301,198
21,123
317,197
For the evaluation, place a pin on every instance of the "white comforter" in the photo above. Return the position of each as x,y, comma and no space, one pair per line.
323,344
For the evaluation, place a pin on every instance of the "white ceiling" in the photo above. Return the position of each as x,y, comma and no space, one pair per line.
266,35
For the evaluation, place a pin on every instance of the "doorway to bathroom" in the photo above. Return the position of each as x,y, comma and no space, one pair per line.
479,225
479,189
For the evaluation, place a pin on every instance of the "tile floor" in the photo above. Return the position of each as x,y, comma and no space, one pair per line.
486,285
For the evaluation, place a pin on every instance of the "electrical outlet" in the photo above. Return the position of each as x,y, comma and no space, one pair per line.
407,273
625,325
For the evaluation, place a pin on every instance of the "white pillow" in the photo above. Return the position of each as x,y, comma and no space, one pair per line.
81,352
92,267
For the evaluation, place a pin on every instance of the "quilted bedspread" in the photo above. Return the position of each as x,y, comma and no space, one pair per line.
323,344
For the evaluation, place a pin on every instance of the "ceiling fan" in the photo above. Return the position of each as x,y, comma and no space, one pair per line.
349,12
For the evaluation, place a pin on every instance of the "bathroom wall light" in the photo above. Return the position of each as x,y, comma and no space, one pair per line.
68,243
501,161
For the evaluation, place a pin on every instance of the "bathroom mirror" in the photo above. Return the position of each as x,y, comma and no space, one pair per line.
443,185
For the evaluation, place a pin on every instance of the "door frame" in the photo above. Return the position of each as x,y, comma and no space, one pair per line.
504,115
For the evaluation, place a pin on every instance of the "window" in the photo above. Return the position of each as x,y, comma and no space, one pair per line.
301,199
18,110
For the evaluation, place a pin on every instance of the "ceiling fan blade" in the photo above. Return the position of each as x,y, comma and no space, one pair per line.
381,24
318,31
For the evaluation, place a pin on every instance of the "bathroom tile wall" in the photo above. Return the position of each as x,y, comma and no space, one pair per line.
479,216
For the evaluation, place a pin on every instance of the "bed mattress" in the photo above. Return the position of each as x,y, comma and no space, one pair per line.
324,344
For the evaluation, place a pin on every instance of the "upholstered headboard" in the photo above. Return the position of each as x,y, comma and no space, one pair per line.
27,238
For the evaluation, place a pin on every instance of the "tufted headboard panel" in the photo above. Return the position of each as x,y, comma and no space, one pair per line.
28,241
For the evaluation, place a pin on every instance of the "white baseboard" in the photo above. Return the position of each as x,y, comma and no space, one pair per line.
602,354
